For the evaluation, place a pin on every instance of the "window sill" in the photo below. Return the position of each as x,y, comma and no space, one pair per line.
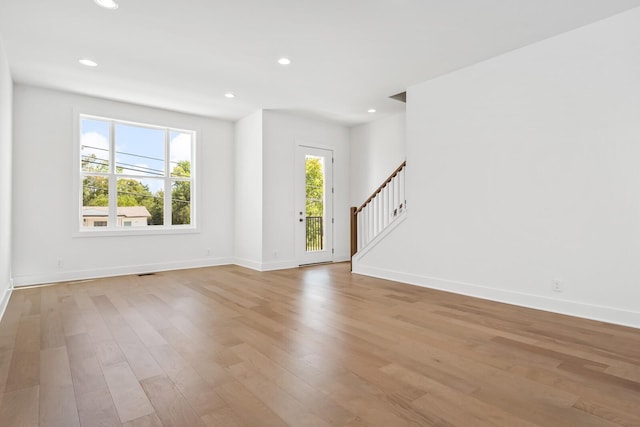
143,231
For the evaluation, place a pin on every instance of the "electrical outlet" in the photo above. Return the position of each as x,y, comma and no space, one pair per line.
556,285
208,252
60,263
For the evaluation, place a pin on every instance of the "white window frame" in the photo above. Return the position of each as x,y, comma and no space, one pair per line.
112,229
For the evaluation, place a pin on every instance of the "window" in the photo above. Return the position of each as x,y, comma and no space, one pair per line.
135,176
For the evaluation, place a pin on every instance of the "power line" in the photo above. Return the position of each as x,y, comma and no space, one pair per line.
126,154
135,168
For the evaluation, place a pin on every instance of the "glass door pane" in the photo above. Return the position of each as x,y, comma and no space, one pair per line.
314,206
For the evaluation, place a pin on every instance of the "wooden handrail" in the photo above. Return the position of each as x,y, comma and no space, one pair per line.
355,210
384,184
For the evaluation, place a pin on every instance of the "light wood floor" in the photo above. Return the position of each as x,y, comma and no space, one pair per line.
227,346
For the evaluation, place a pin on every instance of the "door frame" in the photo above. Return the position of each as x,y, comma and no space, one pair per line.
303,257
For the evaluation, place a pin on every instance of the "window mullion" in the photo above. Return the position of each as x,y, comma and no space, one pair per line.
167,180
113,181
192,186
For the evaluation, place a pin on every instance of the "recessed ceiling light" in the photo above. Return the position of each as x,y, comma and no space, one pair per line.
107,4
230,95
371,110
284,61
88,63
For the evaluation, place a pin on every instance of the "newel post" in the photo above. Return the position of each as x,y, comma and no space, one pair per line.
354,230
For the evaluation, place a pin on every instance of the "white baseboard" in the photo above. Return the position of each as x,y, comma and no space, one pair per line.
67,276
341,258
4,301
570,308
265,266
278,265
248,263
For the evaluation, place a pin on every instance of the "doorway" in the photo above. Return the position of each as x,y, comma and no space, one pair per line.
314,205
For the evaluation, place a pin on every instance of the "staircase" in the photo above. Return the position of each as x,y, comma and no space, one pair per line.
379,211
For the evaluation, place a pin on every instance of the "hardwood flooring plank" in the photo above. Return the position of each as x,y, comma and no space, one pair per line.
20,408
95,406
608,414
96,409
72,321
51,331
31,304
469,408
128,344
109,353
8,331
151,420
143,329
311,398
619,401
207,362
85,369
129,398
24,370
141,361
200,394
280,402
222,417
57,399
171,407
247,407
94,323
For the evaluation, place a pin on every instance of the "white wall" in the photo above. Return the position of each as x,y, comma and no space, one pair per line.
43,211
524,169
377,149
282,132
6,95
248,191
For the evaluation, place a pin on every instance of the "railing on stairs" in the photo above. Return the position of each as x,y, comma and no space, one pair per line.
379,211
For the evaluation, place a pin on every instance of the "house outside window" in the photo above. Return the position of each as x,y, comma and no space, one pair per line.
135,176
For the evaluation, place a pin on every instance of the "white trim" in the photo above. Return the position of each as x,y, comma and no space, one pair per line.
570,308
38,279
248,263
265,266
302,256
279,265
310,144
112,230
4,302
137,231
372,244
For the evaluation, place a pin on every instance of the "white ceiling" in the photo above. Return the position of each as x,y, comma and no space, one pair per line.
348,55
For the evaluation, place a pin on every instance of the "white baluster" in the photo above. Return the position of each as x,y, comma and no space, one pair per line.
383,211
364,227
402,184
369,222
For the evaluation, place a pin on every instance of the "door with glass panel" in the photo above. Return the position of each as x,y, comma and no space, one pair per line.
314,205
